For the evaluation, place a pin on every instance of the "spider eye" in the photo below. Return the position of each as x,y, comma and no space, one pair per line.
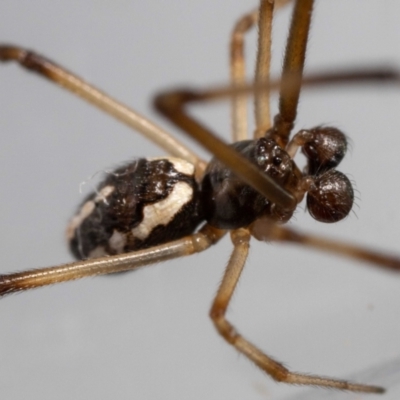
277,160
269,143
261,159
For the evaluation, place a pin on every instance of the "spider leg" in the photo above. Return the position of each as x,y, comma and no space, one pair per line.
238,71
266,231
178,98
261,98
293,65
57,74
276,370
238,74
195,243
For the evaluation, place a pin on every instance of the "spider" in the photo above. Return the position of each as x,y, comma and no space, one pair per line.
87,263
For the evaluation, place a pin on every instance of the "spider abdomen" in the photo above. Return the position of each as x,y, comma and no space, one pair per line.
139,205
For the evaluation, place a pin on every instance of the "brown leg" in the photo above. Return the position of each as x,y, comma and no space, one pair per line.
238,74
57,74
31,279
261,99
292,71
266,230
238,70
178,98
276,370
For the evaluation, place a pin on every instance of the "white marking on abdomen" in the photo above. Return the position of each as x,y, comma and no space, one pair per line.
117,241
87,209
182,166
77,220
99,251
162,212
104,193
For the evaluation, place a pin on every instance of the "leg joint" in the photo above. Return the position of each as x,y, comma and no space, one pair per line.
224,328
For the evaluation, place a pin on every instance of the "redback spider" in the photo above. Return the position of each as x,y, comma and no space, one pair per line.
266,346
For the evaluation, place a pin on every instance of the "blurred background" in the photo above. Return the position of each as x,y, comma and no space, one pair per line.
146,335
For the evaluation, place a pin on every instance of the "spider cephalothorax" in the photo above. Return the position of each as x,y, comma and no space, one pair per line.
230,203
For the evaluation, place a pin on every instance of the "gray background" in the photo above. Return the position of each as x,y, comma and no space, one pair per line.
147,335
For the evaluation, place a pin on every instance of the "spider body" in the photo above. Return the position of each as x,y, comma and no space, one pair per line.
151,202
